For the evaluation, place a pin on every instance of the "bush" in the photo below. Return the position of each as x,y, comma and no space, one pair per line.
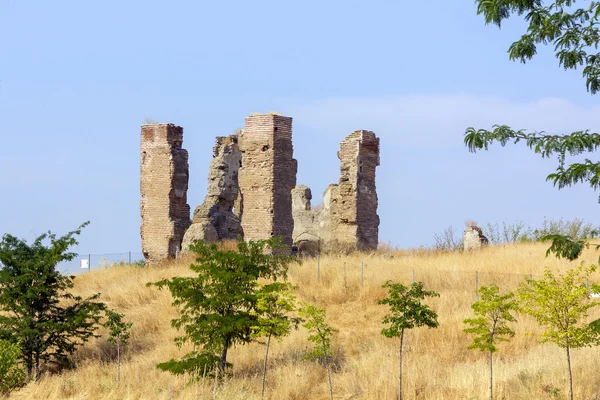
12,373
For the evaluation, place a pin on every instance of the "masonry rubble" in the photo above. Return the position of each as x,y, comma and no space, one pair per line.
164,175
474,239
218,218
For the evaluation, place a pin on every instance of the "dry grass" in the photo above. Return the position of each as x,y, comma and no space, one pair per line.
437,363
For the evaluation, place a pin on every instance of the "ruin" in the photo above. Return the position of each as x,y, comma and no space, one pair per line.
348,219
267,177
474,238
218,217
252,192
164,175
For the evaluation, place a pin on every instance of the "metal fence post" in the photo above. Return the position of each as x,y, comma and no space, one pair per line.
130,257
362,272
587,285
319,267
477,284
413,275
89,263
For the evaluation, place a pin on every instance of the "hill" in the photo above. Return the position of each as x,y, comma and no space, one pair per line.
437,362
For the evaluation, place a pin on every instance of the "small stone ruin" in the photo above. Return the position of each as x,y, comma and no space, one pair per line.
473,238
252,192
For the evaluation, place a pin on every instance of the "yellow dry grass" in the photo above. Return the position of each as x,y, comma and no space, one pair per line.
437,363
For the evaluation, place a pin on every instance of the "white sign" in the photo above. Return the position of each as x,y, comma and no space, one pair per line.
84,263
594,295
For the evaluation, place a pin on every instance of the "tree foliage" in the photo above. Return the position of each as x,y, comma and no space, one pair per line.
574,33
492,315
218,306
119,332
36,309
319,334
12,374
274,304
560,304
490,325
407,311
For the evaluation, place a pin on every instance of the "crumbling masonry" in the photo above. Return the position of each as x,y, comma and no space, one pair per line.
348,219
163,184
219,216
473,238
252,192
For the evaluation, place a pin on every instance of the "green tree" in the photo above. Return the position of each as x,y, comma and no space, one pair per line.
575,34
12,374
274,304
36,309
320,334
118,331
406,312
217,306
560,304
490,325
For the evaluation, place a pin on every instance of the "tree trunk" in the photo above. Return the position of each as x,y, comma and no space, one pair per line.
224,357
491,376
29,364
37,365
329,377
570,374
400,367
118,361
265,365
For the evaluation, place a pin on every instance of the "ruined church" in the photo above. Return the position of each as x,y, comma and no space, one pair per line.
252,192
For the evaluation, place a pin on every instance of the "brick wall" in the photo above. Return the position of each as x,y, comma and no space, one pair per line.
267,177
164,176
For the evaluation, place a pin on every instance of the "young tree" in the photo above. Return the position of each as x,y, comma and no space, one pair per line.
275,302
320,334
406,312
36,309
217,306
490,325
12,374
575,34
560,303
119,334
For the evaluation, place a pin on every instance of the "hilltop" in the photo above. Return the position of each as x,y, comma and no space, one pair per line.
437,364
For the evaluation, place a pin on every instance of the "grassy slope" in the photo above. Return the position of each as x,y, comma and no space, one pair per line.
437,364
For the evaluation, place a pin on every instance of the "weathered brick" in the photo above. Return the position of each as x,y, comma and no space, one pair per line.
164,175
267,177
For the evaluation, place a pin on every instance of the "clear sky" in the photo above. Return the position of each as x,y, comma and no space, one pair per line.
77,79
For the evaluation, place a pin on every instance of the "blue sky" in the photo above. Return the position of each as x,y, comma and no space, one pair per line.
78,79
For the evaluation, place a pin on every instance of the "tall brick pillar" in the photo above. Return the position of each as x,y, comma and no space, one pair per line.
267,177
356,208
164,178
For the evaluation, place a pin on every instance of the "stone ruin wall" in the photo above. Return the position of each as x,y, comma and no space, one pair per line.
473,238
252,192
219,217
267,177
164,175
348,219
